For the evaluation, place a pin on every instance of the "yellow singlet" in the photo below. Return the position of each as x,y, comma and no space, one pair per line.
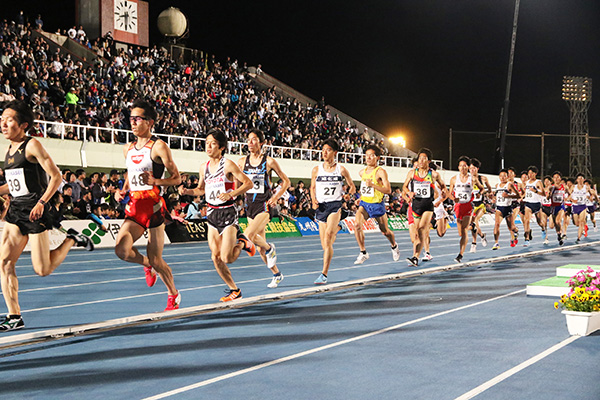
369,194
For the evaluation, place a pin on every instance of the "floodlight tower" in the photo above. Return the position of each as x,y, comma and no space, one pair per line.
577,92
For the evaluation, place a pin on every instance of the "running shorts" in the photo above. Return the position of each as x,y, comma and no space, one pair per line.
421,206
148,212
505,211
547,210
326,209
18,214
462,210
375,210
534,207
440,212
221,218
478,206
579,208
255,208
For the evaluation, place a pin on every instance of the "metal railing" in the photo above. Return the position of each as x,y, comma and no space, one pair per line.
87,133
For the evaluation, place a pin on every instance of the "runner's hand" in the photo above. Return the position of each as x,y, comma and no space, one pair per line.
36,212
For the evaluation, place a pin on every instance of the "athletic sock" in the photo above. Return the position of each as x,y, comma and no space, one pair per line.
14,316
394,246
363,251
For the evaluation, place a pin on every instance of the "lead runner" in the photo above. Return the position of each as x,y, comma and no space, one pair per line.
27,166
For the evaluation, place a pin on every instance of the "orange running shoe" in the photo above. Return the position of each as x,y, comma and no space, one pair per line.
249,247
173,301
151,276
233,295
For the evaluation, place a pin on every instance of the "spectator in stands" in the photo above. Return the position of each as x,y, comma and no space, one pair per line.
83,207
71,100
72,33
194,209
39,23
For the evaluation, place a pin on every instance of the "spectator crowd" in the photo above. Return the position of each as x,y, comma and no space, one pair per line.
191,97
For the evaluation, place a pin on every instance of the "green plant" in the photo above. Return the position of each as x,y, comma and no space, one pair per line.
584,294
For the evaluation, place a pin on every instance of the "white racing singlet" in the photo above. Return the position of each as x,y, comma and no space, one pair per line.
329,185
463,191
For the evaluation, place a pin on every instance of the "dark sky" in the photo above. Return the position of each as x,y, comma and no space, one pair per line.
417,66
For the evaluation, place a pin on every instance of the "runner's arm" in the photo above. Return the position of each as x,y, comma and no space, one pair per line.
272,164
233,169
346,175
385,187
163,152
36,150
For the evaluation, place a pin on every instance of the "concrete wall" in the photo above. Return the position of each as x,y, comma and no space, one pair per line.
105,156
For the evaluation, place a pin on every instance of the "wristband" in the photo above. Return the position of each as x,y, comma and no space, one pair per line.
42,202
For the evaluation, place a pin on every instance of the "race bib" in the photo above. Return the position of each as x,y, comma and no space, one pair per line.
422,190
16,182
529,195
258,183
366,191
463,197
135,180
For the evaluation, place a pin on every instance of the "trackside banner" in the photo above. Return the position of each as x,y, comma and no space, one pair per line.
193,230
398,223
99,237
307,226
276,228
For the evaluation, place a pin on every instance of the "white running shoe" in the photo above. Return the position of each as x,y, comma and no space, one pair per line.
427,257
275,281
396,253
272,257
484,241
362,257
595,229
546,241
473,248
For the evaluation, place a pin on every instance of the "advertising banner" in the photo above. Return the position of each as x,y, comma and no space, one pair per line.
196,230
276,228
307,226
398,223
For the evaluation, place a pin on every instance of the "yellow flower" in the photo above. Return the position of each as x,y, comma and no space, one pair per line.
579,290
556,305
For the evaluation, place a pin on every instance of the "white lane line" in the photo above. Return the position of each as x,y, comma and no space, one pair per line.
507,374
321,348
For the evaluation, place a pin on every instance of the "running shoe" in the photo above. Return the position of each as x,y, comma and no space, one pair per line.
396,253
459,258
513,243
595,229
473,248
544,235
11,324
321,280
526,244
232,295
362,257
546,241
433,224
275,281
427,257
578,241
560,240
585,231
173,301
151,276
80,239
516,240
413,261
496,246
483,240
248,245
271,256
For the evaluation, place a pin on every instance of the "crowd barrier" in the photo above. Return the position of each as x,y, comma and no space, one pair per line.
197,230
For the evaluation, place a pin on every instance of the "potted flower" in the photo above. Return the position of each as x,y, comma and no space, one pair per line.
581,305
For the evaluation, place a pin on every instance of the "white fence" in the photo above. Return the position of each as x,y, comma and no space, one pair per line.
60,130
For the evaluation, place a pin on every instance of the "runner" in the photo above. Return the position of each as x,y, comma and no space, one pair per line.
439,222
505,194
516,203
217,181
546,213
557,196
419,187
591,202
461,191
478,204
569,183
578,197
533,192
259,202
146,159
373,186
27,166
326,184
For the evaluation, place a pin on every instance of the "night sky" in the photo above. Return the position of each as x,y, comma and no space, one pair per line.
419,67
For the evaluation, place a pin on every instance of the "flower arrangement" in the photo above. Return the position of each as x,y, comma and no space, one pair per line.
584,294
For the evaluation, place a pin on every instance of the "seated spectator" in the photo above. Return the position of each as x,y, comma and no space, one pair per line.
194,209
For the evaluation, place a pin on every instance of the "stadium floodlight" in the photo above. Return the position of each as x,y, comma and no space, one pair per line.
577,92
577,88
398,140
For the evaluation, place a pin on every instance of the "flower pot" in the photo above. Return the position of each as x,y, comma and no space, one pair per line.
582,323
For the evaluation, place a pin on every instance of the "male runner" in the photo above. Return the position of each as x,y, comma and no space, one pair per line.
146,159
258,167
578,197
505,194
326,184
27,166
461,191
419,187
533,192
478,205
557,194
569,183
546,212
591,203
439,221
374,184
217,182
